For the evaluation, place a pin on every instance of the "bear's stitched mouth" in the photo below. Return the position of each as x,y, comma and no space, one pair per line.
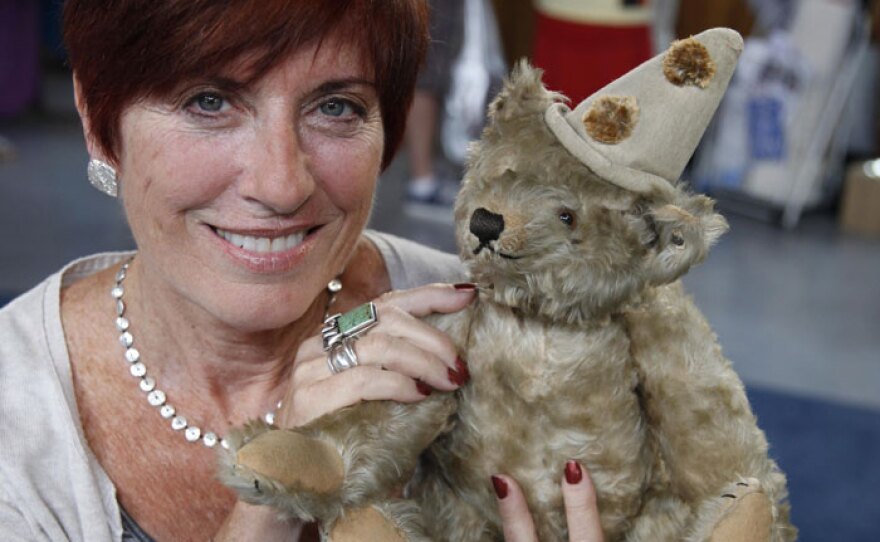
488,246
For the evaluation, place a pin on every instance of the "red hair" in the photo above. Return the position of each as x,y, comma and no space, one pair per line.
126,50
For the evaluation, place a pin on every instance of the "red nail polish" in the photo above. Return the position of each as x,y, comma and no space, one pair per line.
500,487
455,377
465,286
462,368
573,472
423,388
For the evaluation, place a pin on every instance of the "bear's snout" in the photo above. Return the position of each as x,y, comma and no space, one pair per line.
487,226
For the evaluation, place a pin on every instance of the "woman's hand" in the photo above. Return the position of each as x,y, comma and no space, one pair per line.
401,358
580,508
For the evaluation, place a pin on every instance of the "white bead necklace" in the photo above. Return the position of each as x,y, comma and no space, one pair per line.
155,396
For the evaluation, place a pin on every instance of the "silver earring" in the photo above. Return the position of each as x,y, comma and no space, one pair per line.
103,177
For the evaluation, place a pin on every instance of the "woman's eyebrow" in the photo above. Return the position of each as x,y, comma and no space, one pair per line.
225,83
340,84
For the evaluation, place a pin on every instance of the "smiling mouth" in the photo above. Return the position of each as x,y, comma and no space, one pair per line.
267,245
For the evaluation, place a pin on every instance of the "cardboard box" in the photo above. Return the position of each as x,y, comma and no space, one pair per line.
860,205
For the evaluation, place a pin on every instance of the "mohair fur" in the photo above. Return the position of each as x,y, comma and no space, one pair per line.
688,63
611,119
582,345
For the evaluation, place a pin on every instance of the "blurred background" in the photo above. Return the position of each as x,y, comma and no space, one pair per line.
793,290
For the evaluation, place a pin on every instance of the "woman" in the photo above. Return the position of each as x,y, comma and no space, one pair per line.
244,141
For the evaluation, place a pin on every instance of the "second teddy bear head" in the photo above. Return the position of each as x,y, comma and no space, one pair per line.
549,236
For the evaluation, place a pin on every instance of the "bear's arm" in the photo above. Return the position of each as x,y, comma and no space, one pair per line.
456,325
694,403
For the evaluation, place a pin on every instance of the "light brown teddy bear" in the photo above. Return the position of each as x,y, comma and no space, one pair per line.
582,344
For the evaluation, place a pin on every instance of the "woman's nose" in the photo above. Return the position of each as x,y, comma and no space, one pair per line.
277,175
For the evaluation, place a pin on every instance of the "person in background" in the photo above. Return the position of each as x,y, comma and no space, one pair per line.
447,32
464,69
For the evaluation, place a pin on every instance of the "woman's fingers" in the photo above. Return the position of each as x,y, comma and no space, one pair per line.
430,299
348,388
378,350
515,516
401,358
398,315
581,510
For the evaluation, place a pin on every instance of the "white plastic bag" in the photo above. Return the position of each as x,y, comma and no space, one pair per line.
476,73
752,122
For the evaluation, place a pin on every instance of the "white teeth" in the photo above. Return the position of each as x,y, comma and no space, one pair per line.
292,240
262,244
278,244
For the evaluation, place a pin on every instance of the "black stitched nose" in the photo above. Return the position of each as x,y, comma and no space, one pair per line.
487,226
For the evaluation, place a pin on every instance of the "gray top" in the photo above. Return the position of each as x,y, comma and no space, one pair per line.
51,486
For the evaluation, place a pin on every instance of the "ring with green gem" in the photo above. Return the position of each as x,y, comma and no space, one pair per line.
349,325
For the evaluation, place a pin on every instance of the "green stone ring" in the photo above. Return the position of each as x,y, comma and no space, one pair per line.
352,324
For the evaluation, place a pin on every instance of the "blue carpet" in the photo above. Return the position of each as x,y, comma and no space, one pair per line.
831,454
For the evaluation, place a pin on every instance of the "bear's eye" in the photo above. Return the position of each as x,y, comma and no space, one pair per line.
567,218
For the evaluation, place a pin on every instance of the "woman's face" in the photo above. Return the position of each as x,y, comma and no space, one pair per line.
245,200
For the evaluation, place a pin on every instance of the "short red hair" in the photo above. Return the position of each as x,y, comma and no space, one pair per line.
126,50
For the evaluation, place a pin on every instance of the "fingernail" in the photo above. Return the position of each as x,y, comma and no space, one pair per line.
455,377
423,388
462,368
573,472
500,487
465,286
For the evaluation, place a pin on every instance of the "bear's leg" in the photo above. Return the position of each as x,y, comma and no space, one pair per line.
341,460
663,518
449,517
387,521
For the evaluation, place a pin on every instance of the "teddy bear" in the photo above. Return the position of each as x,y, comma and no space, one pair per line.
582,343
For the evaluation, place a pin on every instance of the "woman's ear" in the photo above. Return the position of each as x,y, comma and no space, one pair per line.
682,237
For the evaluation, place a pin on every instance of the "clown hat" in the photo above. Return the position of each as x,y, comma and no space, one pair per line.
639,131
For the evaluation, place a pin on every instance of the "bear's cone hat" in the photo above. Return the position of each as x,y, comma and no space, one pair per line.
640,130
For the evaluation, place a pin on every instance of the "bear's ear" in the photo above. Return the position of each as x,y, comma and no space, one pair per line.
523,94
682,236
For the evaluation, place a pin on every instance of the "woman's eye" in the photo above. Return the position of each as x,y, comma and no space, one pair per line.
336,108
211,103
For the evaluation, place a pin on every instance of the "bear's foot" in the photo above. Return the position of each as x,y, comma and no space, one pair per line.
391,521
747,517
743,513
297,474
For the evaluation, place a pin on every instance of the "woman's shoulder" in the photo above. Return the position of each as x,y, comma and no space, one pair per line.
33,353
412,264
57,489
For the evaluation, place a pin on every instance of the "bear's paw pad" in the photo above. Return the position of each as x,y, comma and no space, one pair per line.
293,460
746,516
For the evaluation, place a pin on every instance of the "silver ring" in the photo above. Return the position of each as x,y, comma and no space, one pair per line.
352,324
342,356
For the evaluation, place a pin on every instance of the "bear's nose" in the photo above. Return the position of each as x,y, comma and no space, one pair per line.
486,225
